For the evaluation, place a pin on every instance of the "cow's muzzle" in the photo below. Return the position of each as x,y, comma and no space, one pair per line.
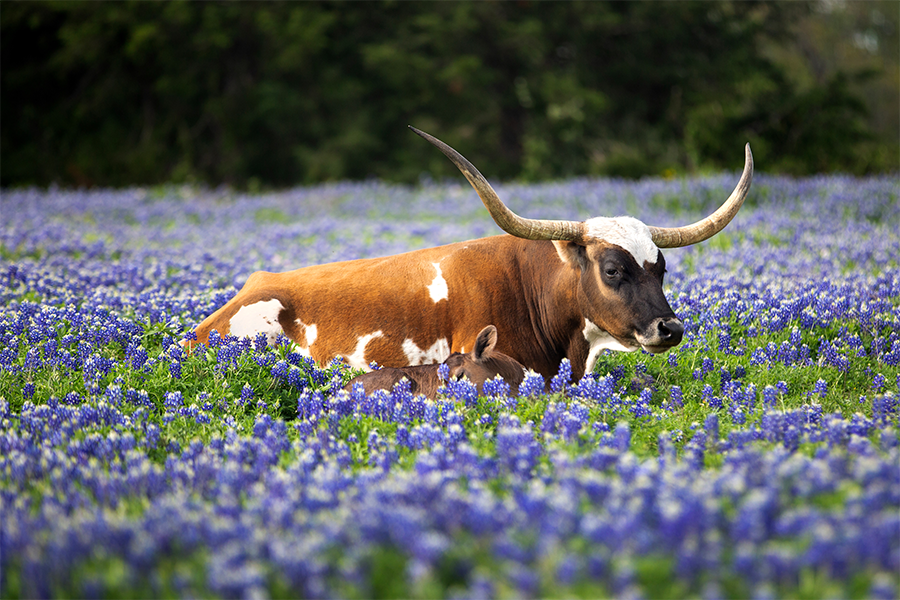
662,334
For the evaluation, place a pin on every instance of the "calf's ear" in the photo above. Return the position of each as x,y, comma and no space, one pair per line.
484,343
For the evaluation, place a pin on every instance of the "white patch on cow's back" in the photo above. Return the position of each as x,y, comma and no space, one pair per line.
598,340
358,358
259,317
438,288
310,333
438,352
627,232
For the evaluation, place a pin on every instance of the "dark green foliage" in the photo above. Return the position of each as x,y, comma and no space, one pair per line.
276,94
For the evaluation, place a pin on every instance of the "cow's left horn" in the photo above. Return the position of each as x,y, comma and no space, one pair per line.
675,237
510,222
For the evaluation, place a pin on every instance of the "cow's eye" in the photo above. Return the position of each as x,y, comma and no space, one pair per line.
612,272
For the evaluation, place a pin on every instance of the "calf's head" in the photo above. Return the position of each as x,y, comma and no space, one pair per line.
484,362
620,266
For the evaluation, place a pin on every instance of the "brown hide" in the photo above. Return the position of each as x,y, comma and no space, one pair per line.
423,379
479,365
521,286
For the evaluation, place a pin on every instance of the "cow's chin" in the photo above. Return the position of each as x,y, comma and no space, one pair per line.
653,346
630,344
656,349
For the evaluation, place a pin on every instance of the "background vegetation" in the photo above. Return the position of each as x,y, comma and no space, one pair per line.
277,94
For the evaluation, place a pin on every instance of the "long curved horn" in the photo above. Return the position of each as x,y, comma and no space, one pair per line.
676,237
510,222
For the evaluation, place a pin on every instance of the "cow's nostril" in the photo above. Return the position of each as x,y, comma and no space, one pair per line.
671,329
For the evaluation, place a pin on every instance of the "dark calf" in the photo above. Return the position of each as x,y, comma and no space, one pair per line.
479,365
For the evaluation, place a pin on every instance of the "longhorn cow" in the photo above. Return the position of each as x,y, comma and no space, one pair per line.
479,365
553,289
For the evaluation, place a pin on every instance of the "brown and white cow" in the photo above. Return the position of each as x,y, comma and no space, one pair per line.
479,365
553,289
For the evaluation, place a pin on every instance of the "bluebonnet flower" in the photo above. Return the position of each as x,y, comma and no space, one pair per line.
496,387
114,394
641,407
622,436
260,342
137,355
676,397
882,587
462,389
667,453
7,358
174,400
561,380
821,388
246,393
295,377
214,339
33,360
885,407
707,396
770,397
281,369
138,398
532,385
724,341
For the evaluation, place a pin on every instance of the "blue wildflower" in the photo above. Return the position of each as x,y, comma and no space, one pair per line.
561,380
532,385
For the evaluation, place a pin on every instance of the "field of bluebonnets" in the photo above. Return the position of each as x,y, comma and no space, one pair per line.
760,458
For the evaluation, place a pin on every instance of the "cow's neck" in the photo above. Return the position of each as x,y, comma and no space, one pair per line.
553,289
550,288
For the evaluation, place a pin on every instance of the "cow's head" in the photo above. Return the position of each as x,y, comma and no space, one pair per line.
621,268
484,363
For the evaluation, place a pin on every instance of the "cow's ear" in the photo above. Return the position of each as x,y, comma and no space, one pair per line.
572,253
484,343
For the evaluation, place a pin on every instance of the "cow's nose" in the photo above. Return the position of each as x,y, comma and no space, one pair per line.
671,330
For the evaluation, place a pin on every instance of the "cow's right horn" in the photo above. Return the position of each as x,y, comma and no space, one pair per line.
510,222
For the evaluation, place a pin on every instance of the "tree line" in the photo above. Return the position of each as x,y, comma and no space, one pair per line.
277,93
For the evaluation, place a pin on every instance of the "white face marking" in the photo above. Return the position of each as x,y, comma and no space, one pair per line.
260,317
438,288
598,340
310,332
438,352
627,232
358,358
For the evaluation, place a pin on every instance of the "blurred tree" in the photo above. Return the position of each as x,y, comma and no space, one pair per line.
279,93
849,53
